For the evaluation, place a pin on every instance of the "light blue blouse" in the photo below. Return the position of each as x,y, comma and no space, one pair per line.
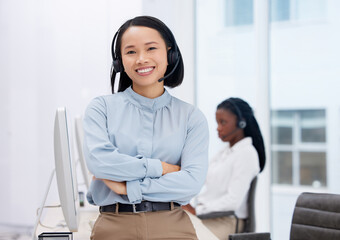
126,136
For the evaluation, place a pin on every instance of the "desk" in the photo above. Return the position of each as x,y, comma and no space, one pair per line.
54,216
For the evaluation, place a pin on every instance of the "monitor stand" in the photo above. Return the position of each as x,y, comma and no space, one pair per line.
34,234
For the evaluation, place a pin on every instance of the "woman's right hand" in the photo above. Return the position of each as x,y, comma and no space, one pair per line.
189,208
169,168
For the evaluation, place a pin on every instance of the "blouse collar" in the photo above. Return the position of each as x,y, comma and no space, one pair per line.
243,142
239,145
151,104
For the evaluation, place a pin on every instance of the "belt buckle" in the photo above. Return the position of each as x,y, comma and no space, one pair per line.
135,210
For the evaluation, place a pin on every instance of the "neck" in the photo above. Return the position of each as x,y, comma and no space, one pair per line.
149,91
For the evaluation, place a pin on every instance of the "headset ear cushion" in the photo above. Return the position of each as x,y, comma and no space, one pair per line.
172,56
242,124
117,65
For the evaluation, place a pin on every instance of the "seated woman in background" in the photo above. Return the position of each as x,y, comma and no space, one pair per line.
232,169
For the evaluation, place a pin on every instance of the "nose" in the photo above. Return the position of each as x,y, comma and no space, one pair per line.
142,58
218,128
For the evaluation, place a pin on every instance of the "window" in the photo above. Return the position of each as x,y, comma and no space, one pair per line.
313,126
313,168
238,12
310,9
283,170
285,10
280,10
299,147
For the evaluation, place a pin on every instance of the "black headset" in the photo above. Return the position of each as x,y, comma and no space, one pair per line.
117,65
173,57
241,123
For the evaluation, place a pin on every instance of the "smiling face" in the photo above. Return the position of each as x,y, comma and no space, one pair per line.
144,56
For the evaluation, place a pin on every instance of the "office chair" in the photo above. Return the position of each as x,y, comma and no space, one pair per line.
250,236
249,225
316,216
250,222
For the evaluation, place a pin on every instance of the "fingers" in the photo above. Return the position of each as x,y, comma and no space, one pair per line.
169,168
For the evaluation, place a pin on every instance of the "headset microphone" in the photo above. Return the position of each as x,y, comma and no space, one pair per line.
173,56
170,73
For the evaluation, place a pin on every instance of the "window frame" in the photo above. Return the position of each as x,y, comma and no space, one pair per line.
298,146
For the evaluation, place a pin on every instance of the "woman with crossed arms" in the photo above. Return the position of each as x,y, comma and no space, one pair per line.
147,149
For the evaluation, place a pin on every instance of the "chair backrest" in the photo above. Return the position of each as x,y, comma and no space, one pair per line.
316,216
250,224
250,236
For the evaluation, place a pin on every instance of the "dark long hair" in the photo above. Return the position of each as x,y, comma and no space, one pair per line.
252,128
174,79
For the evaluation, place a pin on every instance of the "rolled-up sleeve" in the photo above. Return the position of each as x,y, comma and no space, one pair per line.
183,185
104,159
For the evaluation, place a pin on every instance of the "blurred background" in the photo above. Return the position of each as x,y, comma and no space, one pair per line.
282,56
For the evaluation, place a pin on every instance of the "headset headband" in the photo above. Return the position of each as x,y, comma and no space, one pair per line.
241,123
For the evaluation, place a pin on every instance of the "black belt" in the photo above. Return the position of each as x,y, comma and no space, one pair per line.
144,206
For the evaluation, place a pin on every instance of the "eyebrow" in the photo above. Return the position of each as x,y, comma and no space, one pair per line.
148,43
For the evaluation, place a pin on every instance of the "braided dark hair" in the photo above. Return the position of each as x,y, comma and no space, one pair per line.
252,128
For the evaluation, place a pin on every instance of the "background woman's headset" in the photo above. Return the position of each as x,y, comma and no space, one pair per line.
241,123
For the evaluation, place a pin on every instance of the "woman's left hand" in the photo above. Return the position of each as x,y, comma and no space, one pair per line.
117,187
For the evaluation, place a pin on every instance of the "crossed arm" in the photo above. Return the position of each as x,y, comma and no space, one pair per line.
139,177
120,187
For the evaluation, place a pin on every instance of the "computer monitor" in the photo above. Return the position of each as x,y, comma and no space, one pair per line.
65,171
87,176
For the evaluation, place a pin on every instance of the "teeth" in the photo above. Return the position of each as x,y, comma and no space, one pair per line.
145,70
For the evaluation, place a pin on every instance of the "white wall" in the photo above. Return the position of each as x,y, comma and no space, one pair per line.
53,53
179,17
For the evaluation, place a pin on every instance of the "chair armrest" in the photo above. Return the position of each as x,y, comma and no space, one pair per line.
216,215
250,236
